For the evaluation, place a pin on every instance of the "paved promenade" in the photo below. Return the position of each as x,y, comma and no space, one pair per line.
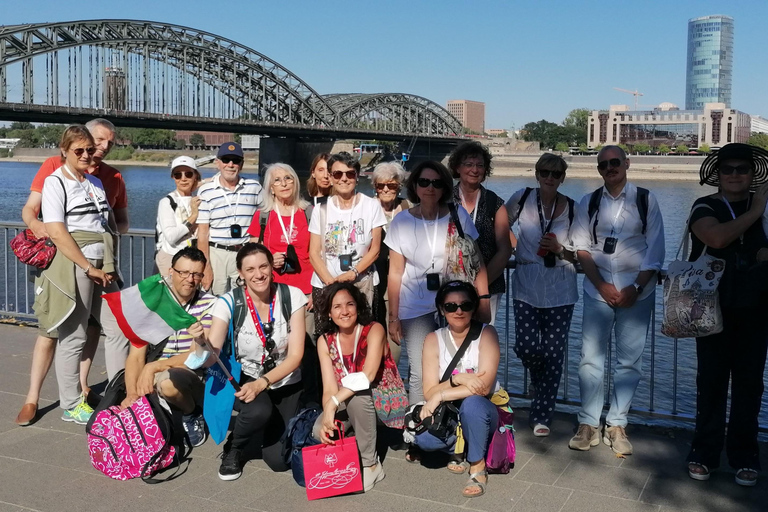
46,467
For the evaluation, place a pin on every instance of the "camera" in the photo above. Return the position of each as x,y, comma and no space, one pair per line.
609,247
345,262
236,231
433,282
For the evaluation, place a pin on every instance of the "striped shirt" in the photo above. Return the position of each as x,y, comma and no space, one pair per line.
182,341
220,208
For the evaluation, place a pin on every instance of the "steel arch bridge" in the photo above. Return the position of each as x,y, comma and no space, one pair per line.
130,68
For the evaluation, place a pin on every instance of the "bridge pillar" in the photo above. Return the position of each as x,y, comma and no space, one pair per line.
298,153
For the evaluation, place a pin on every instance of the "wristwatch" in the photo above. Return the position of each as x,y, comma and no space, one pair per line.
638,288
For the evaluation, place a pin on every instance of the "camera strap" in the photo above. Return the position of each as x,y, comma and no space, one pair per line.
257,321
542,219
286,234
475,328
433,244
733,214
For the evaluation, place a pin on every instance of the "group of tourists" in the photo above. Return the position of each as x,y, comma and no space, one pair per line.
314,292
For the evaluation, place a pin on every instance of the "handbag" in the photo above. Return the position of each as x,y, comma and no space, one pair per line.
462,255
37,252
691,298
332,469
389,396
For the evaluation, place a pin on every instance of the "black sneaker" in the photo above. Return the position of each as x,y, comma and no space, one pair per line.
194,426
230,468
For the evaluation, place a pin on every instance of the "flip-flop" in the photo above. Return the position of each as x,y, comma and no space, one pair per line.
698,471
474,482
457,467
540,430
746,472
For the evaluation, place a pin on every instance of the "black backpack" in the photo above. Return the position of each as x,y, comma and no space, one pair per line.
524,197
297,435
240,308
594,208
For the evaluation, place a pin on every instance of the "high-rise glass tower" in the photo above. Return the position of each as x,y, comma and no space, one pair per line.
709,70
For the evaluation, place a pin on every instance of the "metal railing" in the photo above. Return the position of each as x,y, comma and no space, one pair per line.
137,261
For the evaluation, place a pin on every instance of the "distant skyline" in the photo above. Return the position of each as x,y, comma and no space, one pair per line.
526,60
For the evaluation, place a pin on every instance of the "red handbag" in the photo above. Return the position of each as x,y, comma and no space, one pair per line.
38,252
332,470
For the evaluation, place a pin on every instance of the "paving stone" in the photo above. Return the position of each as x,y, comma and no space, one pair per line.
542,498
720,492
604,480
585,501
542,470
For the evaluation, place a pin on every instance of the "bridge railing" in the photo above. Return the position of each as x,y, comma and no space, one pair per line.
665,382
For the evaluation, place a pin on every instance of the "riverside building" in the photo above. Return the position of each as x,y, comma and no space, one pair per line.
709,67
470,113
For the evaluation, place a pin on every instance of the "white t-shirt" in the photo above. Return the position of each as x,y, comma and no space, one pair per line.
81,213
412,238
173,235
346,232
469,362
249,345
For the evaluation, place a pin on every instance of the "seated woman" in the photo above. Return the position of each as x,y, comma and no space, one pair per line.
270,353
469,387
351,347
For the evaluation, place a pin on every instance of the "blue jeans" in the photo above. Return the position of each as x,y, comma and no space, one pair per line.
478,418
414,330
630,326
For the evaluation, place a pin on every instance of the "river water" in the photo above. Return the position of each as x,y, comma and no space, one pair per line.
147,185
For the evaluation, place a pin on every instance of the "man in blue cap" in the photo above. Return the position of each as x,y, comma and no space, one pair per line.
227,205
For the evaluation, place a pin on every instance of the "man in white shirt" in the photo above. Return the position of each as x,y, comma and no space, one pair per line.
619,237
227,205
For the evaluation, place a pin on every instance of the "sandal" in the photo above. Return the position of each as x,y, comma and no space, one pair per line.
457,466
413,455
746,477
698,471
540,430
474,482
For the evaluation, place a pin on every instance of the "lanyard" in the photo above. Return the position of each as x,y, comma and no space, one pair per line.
540,208
477,204
344,368
229,203
88,190
618,214
257,322
349,224
433,244
282,226
733,214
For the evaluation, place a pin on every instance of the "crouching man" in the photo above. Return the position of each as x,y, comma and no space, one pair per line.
177,384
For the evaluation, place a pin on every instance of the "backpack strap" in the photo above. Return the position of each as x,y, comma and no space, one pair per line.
455,219
308,212
64,189
263,216
571,210
523,199
594,209
285,303
642,206
173,203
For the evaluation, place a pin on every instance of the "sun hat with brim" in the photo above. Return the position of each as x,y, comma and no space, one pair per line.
709,173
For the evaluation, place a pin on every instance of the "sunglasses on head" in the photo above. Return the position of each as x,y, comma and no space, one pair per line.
613,162
452,307
187,174
742,170
425,182
351,175
555,174
79,151
231,159
388,186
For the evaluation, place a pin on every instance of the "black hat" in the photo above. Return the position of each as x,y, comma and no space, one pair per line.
710,174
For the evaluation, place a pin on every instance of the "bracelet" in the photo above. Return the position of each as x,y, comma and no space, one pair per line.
442,396
394,320
452,383
86,270
266,379
486,296
335,401
560,255
357,274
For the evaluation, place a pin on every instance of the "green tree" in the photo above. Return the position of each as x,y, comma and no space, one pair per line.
758,139
546,132
682,149
598,147
704,148
561,146
624,147
664,149
20,125
576,123
583,148
642,148
196,140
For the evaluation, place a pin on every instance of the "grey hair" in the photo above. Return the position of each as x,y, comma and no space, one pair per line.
617,148
100,121
269,198
387,171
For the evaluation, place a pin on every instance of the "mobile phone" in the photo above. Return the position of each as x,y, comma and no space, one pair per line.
609,247
345,262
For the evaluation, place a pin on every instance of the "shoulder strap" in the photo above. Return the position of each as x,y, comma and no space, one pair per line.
285,303
642,206
684,242
308,212
64,189
455,219
475,329
173,203
523,199
594,209
571,208
323,208
238,314
263,216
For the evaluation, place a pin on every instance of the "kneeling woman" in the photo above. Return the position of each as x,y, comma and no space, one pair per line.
351,354
269,348
472,382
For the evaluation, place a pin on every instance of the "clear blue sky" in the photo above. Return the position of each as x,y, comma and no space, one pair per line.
527,60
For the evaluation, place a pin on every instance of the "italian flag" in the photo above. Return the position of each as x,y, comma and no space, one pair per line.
148,312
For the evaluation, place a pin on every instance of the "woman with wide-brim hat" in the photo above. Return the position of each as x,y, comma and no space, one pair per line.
728,225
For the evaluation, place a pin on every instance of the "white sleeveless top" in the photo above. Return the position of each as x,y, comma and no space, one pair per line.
469,362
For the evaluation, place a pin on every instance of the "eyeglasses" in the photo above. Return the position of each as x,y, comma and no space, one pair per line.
477,165
452,307
425,182
231,159
285,179
351,175
184,274
388,186
555,174
742,170
79,151
187,174
613,162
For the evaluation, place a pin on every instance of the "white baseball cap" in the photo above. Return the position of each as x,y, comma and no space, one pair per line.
186,161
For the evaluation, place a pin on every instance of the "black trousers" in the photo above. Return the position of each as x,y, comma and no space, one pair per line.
264,420
736,354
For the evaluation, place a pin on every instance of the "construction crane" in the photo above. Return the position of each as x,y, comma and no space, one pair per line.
634,93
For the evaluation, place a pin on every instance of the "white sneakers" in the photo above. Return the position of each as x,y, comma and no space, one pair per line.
371,476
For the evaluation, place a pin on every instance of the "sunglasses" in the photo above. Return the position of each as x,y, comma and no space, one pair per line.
351,175
555,174
613,162
742,170
187,174
388,186
425,182
269,361
231,159
79,151
184,274
452,307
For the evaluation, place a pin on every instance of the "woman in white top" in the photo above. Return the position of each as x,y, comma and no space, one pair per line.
345,232
544,284
270,353
177,213
471,382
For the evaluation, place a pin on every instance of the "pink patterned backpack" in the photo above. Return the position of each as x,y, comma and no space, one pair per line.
134,442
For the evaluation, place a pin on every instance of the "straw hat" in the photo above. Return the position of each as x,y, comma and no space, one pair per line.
709,172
